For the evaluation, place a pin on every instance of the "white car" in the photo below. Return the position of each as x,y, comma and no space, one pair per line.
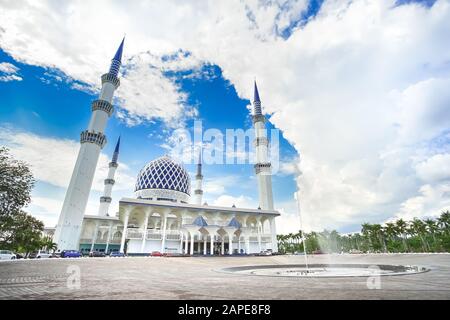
40,254
7,255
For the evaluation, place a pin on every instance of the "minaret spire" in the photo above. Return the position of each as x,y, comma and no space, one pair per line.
92,142
105,200
256,102
116,151
116,62
263,165
199,181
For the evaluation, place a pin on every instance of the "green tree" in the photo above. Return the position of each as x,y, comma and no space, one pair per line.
367,234
48,244
18,230
433,229
23,233
402,228
390,231
444,221
16,183
418,228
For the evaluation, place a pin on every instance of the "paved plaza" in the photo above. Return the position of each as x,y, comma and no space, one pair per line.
200,278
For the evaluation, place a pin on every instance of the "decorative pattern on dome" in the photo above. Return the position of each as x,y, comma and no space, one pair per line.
164,173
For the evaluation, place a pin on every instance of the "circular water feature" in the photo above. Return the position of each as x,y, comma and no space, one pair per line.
326,270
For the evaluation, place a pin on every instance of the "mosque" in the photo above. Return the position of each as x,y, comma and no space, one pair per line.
162,216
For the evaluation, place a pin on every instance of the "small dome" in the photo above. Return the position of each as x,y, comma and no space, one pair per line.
163,179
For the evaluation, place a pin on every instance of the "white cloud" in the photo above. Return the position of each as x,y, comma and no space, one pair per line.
9,72
435,168
8,68
240,201
52,160
47,209
430,203
360,90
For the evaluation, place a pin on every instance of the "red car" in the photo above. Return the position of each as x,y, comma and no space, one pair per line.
156,254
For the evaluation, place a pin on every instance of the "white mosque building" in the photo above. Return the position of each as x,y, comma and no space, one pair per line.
161,216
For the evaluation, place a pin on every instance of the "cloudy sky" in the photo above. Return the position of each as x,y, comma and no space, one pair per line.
359,90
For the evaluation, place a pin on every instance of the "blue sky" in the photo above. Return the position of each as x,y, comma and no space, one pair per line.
358,90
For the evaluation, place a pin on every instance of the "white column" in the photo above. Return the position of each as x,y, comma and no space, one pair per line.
223,246
125,228
273,231
230,246
205,244
259,236
94,238
247,244
187,244
108,240
192,243
239,244
181,242
163,243
212,245
144,231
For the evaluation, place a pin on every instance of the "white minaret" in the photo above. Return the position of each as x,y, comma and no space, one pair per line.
105,200
92,140
262,166
198,181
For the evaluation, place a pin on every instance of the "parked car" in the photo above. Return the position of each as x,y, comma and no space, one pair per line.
20,256
317,252
70,254
40,254
7,255
116,254
156,254
96,254
56,255
265,253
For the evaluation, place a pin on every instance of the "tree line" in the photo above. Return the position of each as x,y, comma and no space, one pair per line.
19,231
417,235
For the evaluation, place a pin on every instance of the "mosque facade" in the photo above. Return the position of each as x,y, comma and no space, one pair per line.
165,214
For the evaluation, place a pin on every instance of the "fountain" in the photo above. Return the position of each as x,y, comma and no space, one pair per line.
323,270
326,270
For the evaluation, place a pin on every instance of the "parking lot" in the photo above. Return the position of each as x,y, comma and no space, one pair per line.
200,278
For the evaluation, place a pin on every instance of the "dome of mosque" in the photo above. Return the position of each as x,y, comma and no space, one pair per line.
163,179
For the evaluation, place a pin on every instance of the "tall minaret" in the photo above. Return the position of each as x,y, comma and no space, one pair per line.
105,200
92,140
262,166
198,181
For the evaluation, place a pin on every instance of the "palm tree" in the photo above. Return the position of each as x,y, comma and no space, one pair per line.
419,228
390,231
377,231
402,228
444,221
48,244
432,228
367,233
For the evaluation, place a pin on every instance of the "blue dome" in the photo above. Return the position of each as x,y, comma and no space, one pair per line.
163,174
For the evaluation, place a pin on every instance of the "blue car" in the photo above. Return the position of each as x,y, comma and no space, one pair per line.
116,254
71,254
